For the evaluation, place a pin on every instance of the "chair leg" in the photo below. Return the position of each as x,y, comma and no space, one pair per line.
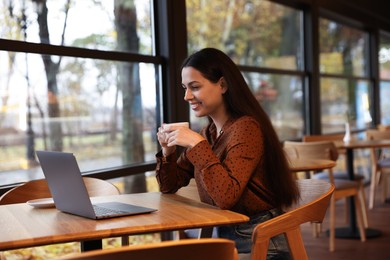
359,216
384,185
319,228
373,185
385,179
346,209
297,247
316,229
362,197
332,219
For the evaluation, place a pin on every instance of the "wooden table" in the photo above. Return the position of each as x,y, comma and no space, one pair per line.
303,165
352,231
24,226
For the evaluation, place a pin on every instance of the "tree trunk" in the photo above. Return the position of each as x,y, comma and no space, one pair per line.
129,84
51,70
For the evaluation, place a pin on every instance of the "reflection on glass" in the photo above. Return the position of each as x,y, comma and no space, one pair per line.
343,49
87,24
384,57
384,101
254,33
92,108
344,101
280,97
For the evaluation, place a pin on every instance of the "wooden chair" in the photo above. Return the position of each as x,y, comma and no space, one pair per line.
333,138
316,138
343,188
343,174
38,189
291,153
330,137
312,207
383,127
380,162
188,249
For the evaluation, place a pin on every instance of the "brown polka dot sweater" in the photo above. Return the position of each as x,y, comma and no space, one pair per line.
228,169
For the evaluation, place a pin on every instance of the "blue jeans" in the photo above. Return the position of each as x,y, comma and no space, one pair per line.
242,235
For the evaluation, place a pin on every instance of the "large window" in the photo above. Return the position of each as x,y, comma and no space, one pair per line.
85,24
96,78
97,101
345,88
384,91
265,40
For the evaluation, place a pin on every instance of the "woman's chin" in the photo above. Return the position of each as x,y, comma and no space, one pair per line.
199,114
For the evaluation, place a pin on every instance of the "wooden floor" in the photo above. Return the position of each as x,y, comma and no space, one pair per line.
372,248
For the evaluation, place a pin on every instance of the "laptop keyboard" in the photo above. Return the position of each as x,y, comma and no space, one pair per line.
101,211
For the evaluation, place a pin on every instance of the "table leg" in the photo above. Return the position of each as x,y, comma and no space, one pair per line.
352,231
167,235
91,245
352,210
206,232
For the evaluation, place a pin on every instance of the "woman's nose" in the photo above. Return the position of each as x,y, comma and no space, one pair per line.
188,95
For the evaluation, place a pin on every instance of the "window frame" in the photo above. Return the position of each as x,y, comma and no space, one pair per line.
372,63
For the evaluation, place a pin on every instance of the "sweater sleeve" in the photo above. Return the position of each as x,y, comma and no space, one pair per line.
225,177
169,175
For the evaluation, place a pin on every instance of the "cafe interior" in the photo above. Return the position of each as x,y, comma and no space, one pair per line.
320,69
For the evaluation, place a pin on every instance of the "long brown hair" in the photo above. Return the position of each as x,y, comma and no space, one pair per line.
239,99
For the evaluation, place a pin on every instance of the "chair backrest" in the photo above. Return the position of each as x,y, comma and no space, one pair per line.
290,152
316,138
314,150
188,249
315,199
330,137
38,189
382,127
376,134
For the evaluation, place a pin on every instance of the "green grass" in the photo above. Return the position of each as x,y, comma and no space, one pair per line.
86,147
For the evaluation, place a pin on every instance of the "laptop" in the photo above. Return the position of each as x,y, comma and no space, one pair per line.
70,194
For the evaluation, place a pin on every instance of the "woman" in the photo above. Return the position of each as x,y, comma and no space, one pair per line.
237,160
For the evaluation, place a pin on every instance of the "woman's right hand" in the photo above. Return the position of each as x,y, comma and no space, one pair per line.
163,140
170,135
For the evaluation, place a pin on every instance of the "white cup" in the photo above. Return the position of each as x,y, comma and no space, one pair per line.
173,126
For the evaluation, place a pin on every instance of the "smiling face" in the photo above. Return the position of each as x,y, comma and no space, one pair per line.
204,96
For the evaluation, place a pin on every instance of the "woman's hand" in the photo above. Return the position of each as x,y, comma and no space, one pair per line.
171,135
162,139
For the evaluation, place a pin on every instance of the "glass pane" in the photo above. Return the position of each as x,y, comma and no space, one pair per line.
92,108
255,33
86,24
384,101
384,58
351,103
280,97
343,49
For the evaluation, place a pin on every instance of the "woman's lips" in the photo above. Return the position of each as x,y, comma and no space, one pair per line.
195,106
